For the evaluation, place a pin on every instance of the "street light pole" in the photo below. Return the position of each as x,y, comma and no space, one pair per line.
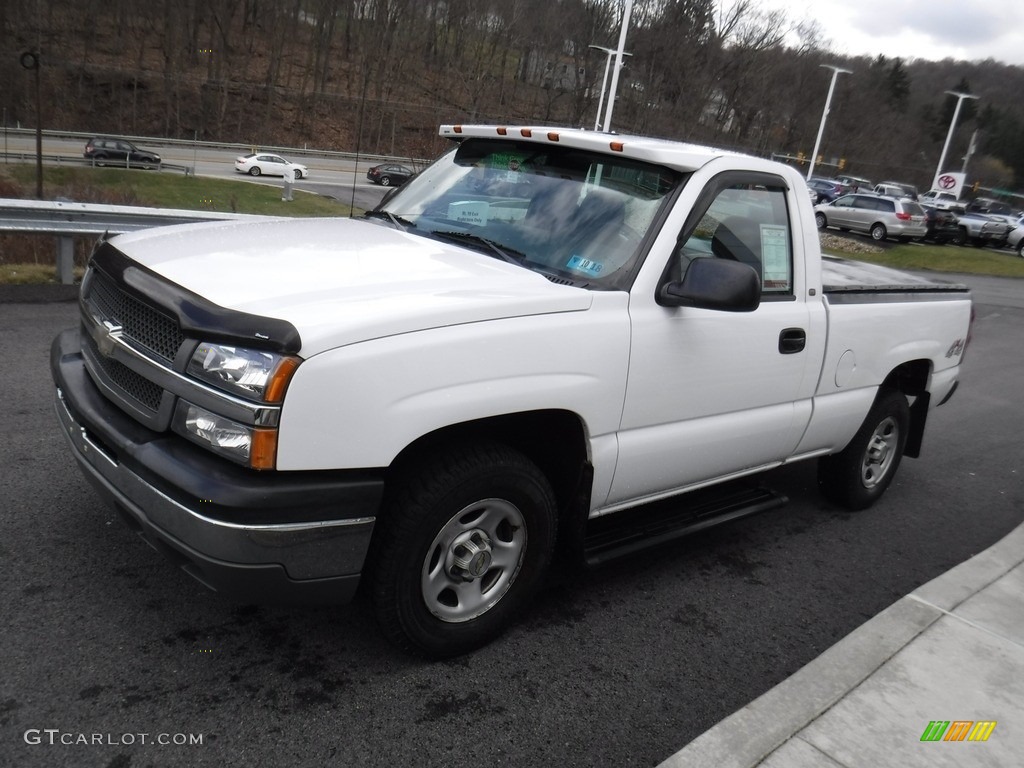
952,126
618,64
836,71
604,83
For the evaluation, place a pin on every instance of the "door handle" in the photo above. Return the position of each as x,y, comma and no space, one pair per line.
792,340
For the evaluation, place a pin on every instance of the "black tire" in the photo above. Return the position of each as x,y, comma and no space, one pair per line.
820,220
298,174
254,171
385,181
1020,248
878,232
439,588
857,476
961,237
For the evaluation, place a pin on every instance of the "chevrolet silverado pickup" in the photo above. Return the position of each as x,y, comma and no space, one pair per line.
531,341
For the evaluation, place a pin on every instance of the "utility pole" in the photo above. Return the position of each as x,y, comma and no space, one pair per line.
30,60
952,126
618,64
604,83
836,71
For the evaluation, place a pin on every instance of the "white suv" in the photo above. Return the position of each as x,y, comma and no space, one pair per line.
880,216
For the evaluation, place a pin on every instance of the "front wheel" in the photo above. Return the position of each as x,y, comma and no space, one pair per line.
298,174
878,232
463,542
857,476
961,237
1020,248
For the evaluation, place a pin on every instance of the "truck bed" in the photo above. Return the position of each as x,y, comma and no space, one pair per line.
844,276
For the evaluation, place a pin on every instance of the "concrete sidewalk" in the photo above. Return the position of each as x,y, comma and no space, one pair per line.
952,650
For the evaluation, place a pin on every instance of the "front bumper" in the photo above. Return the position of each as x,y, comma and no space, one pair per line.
256,536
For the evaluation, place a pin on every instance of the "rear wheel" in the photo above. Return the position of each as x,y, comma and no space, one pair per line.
463,542
878,232
820,220
385,181
857,476
254,171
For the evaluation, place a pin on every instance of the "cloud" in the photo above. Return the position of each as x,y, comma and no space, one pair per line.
918,29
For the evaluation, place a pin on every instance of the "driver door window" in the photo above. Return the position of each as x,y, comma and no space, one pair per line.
748,223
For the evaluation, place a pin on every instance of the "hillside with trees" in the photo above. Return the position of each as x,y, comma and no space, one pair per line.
378,76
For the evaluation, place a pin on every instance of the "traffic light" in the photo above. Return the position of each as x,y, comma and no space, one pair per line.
842,163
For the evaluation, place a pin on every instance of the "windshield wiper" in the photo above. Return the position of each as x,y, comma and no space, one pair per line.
398,221
504,253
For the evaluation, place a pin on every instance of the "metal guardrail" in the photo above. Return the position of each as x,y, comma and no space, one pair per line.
26,157
67,219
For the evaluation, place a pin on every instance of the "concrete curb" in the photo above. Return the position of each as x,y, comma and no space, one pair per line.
749,736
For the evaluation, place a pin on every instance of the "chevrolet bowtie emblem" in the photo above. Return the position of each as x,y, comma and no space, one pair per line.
106,335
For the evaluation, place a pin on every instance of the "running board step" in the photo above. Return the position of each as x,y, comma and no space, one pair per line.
623,533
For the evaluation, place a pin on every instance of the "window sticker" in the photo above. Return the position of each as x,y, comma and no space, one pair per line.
474,212
584,266
775,256
511,162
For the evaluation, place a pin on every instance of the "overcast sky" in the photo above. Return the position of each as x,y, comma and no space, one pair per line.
972,30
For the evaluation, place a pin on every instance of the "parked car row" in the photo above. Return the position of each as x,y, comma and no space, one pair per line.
889,216
890,210
881,216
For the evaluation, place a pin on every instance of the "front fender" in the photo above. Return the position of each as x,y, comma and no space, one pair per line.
360,405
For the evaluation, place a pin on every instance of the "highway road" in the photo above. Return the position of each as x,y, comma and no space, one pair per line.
107,646
336,177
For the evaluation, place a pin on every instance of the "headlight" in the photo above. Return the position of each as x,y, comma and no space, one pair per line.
249,446
248,373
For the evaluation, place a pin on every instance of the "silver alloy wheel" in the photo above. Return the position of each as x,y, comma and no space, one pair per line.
473,560
882,448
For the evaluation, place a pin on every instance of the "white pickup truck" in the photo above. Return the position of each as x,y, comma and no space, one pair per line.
534,339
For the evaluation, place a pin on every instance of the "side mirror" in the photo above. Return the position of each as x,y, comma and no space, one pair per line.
728,286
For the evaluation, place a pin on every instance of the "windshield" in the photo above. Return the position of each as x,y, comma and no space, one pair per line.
571,214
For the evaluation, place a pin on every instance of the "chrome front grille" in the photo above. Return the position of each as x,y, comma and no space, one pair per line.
140,389
141,324
113,317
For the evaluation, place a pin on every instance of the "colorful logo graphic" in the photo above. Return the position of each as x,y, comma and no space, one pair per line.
958,730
